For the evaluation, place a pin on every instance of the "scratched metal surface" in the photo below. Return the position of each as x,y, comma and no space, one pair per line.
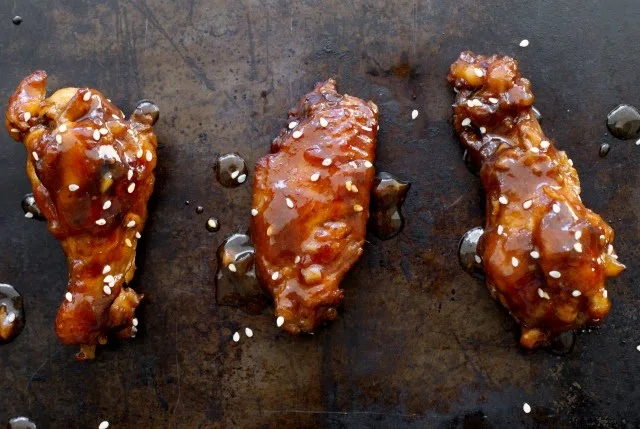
421,346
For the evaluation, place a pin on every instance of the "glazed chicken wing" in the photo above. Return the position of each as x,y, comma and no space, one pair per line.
92,173
311,204
546,257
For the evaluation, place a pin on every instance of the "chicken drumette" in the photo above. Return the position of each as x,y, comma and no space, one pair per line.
92,173
311,204
546,256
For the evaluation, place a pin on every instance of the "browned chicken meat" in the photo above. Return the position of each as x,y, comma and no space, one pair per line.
546,257
92,173
311,204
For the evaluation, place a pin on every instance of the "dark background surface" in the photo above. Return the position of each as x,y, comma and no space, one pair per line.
419,343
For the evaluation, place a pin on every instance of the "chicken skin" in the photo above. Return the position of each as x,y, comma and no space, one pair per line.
546,257
311,205
92,174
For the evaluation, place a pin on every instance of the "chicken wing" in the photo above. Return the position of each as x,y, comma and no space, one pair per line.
546,256
92,173
311,204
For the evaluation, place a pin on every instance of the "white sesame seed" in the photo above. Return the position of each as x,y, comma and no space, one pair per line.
68,296
357,208
15,130
116,117
129,174
101,222
514,261
236,337
478,259
354,189
106,269
466,122
493,100
62,128
212,223
86,97
138,236
348,185
128,242
96,135
232,267
500,229
638,143
570,162
540,293
555,274
535,254
269,231
108,279
638,348
134,321
578,247
577,235
106,205
610,249
242,178
297,259
26,116
104,131
556,208
131,224
275,276
576,293
131,188
605,293
149,156
503,200
524,43
527,204
248,332
327,162
483,130
297,134
366,128
107,290
414,114
479,72
526,408
292,125
139,153
235,174
534,149
314,177
254,212
289,203
58,138
28,215
544,144
368,164
280,321
11,317
35,155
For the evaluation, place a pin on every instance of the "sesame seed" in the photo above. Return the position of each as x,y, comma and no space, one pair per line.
131,188
323,122
104,425
493,100
357,208
106,269
96,135
354,189
524,43
500,229
638,348
58,138
101,222
289,203
327,162
414,114
638,143
212,223
297,259
503,200
15,130
232,268
526,408
366,128
128,242
242,178
116,117
28,215
578,247
514,261
466,122
235,174
527,204
279,321
11,317
149,156
534,149
68,296
139,153
478,259
605,293
134,321
610,249
86,97
131,224
570,162
292,125
248,332
297,134
104,131
534,254
576,293
544,144
106,205
556,208
555,274
109,279
275,276
62,128
236,337
368,164
106,290
254,212
129,174
314,177
138,236
483,130
348,185
26,116
35,155
540,293
577,235
269,230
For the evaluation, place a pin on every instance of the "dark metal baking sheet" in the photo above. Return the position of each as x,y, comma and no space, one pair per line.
419,343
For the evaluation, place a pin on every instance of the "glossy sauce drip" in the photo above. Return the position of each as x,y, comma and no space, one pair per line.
30,208
146,112
387,197
624,122
11,313
17,20
604,149
231,170
471,166
563,343
213,224
21,423
467,252
236,282
199,210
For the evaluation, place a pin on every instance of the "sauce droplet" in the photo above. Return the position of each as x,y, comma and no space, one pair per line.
17,20
624,122
387,197
11,313
236,282
21,423
231,170
30,208
563,343
468,254
604,149
213,224
147,112
199,210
